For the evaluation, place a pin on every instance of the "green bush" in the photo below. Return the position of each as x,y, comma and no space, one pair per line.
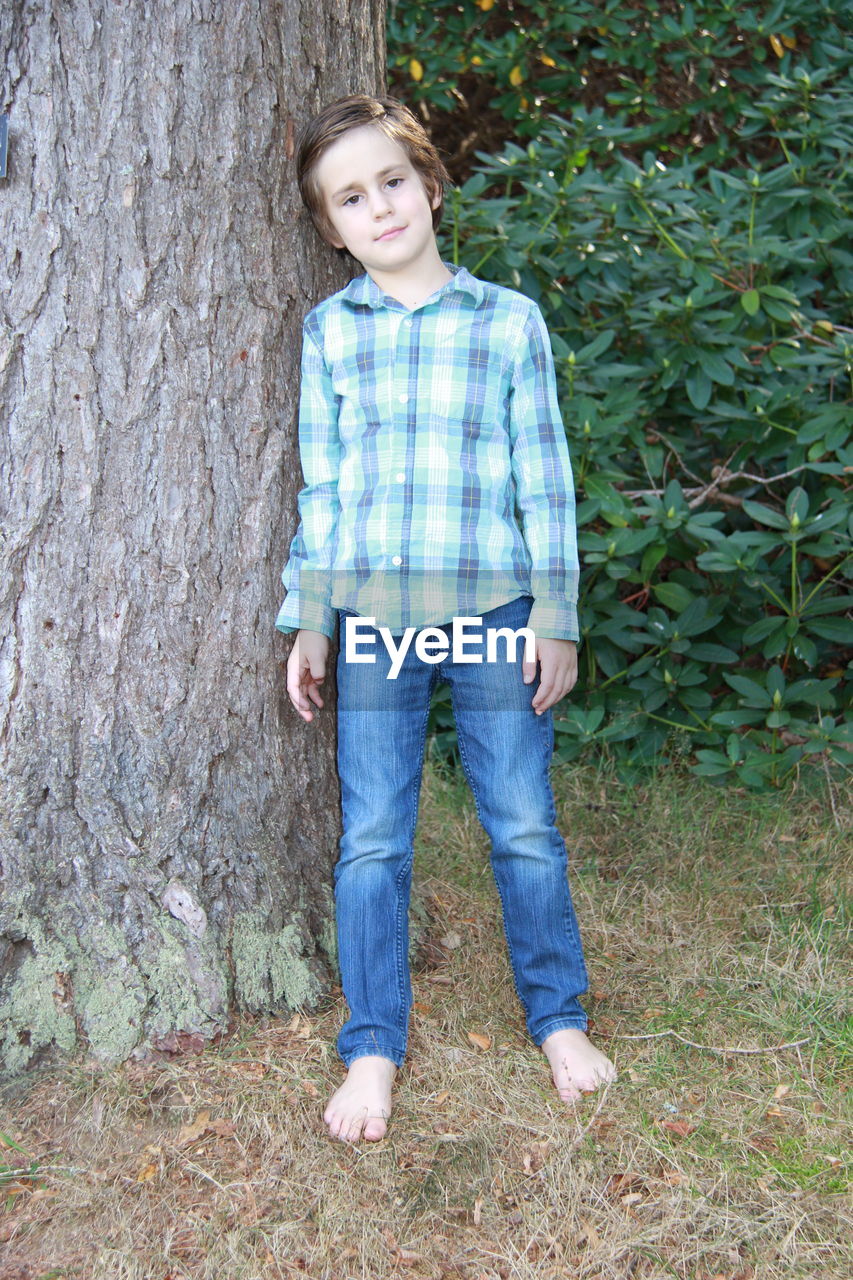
679,76
699,318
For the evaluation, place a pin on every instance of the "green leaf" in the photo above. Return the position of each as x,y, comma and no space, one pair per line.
672,596
764,627
839,630
797,506
706,652
736,719
596,348
756,695
698,387
750,301
717,369
765,515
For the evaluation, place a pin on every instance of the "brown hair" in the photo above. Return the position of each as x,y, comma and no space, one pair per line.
395,121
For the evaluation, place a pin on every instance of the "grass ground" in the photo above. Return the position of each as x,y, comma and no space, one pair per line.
715,928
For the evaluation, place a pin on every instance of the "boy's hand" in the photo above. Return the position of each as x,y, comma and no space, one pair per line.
558,663
306,670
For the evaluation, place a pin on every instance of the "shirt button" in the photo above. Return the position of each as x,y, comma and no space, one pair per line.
403,399
400,476
396,559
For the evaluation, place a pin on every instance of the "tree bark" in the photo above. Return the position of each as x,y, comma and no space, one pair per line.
168,825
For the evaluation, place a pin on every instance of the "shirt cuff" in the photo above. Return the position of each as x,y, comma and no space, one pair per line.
299,614
554,620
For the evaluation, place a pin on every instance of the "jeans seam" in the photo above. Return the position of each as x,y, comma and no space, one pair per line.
469,775
375,1050
561,1024
405,870
546,738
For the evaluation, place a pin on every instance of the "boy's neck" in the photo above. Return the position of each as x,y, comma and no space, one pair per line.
415,286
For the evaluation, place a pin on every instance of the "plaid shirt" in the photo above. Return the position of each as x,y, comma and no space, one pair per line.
437,475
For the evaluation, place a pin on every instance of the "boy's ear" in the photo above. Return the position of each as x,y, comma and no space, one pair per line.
435,198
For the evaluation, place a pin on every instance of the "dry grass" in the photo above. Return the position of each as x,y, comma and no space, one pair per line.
708,915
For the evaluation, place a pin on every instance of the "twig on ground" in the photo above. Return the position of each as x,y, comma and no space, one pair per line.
709,1048
831,791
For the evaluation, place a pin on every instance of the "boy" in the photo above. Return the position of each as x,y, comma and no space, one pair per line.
437,487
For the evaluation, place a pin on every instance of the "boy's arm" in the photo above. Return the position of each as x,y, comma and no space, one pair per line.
544,486
308,572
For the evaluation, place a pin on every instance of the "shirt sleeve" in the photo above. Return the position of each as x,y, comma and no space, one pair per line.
308,572
545,492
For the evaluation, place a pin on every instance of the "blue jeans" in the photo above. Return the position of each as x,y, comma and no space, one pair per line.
506,751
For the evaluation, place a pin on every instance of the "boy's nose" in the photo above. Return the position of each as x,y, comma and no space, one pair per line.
380,204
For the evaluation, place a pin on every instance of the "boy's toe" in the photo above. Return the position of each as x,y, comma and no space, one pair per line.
375,1129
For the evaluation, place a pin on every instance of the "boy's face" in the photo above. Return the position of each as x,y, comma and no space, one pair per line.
377,203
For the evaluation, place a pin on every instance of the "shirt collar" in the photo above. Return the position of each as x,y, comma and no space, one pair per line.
365,292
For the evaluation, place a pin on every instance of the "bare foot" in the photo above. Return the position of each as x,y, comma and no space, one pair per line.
576,1065
362,1105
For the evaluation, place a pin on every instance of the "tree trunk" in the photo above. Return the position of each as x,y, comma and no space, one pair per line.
168,825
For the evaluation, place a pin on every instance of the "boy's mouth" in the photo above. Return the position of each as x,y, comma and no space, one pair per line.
390,233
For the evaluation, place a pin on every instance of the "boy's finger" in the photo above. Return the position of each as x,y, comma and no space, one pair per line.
296,693
528,671
317,671
543,697
300,706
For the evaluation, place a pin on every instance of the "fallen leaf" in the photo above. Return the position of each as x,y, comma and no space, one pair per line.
451,940
633,1197
420,1007
442,1097
672,1177
311,1089
620,1183
589,1236
482,1042
146,1172
774,1111
680,1127
781,1091
254,1070
478,1210
192,1132
224,1128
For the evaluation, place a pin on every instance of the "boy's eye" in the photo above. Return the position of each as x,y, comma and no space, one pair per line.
394,182
350,199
